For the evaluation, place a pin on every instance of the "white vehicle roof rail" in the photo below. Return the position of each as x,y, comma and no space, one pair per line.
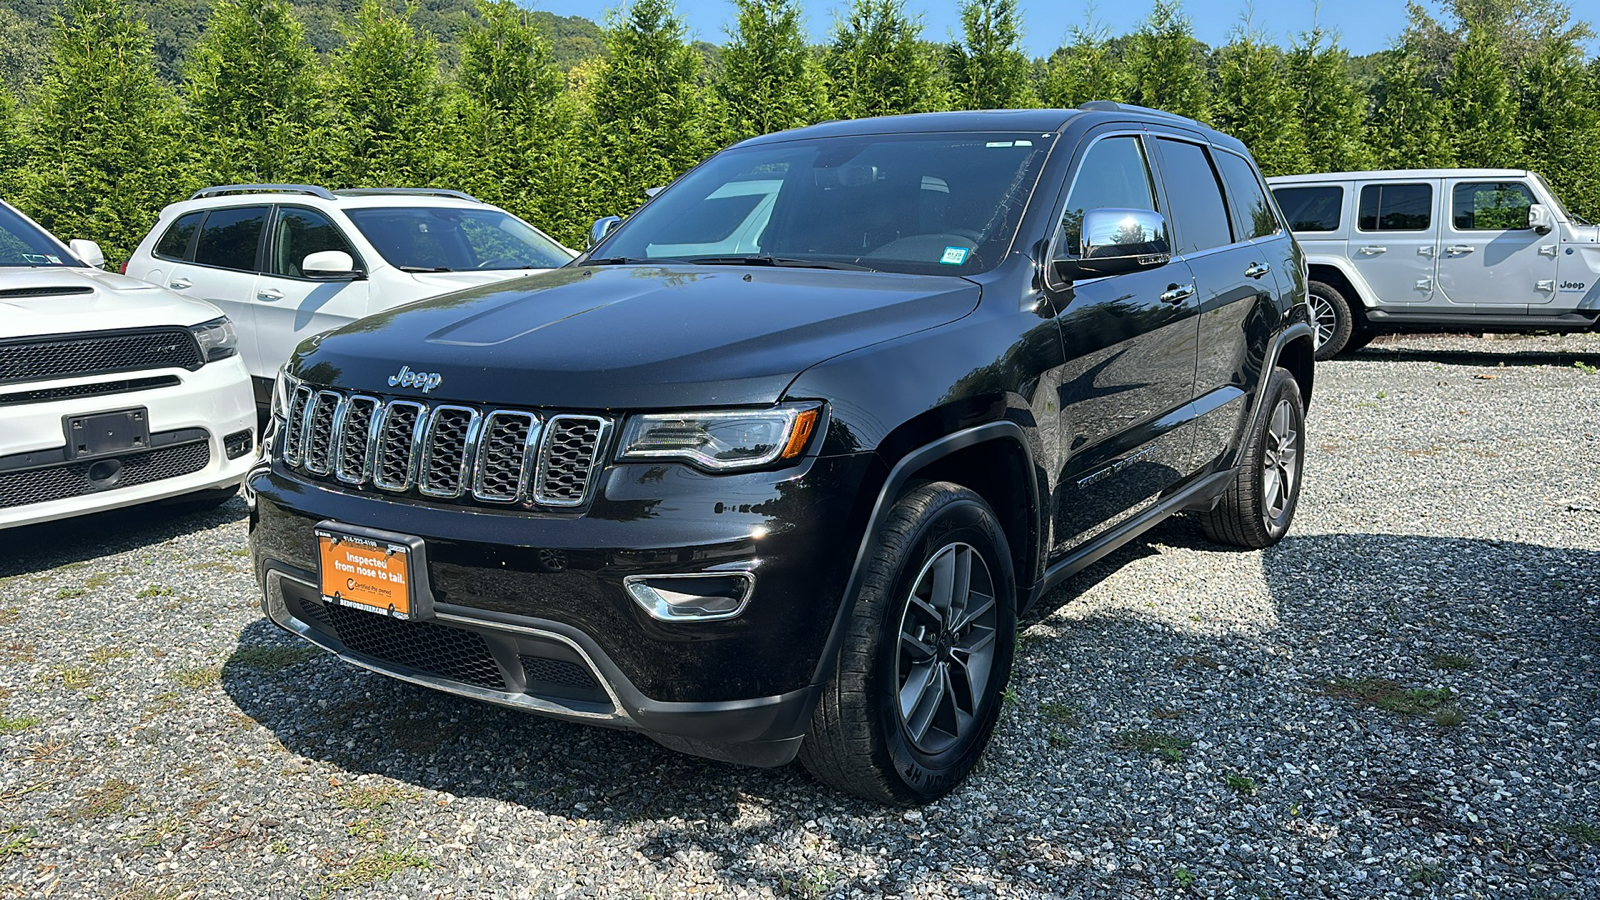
221,189
413,192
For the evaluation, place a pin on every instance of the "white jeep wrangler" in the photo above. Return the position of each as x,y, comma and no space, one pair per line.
1439,250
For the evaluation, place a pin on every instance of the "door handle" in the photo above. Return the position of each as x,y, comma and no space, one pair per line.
1178,293
179,284
269,294
1459,248
1257,270
1425,250
1374,250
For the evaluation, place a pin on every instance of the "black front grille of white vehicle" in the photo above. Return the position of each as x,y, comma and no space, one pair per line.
445,451
97,353
75,479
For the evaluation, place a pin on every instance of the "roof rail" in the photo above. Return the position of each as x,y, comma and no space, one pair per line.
221,189
1111,106
414,192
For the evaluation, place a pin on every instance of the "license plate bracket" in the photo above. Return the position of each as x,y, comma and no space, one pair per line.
107,433
374,571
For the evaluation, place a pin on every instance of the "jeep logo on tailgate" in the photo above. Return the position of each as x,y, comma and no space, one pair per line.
407,378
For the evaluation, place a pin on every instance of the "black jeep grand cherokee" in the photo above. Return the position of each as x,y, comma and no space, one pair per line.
773,468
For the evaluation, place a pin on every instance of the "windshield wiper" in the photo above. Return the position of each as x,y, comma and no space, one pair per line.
425,268
779,261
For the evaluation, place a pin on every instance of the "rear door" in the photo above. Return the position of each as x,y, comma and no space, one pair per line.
1490,256
222,270
291,306
1394,245
1125,391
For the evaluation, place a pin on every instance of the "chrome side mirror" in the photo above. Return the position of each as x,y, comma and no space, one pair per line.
1539,218
602,227
1117,241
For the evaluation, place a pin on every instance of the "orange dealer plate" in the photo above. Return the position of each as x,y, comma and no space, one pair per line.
365,574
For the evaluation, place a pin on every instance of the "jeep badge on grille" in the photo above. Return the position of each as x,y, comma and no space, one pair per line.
407,378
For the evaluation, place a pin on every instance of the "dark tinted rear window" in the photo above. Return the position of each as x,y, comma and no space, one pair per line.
1395,207
1252,213
1199,215
230,237
1311,208
175,243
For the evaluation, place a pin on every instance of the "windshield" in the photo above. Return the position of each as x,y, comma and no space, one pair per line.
434,239
1555,199
923,203
24,244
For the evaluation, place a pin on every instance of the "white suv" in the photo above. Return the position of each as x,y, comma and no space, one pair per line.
1440,249
112,392
286,262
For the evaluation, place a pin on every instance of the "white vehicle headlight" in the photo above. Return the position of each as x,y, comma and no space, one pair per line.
217,339
722,440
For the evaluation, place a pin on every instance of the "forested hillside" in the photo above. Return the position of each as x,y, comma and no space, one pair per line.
112,108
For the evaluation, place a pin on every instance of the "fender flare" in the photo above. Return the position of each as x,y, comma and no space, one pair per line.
1294,331
899,475
1363,291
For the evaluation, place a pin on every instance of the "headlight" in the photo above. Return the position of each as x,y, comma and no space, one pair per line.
722,440
282,393
217,339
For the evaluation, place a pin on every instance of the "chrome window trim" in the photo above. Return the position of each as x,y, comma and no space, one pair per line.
425,468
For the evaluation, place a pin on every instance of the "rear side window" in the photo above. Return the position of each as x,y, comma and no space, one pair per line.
1312,208
230,237
1113,175
1200,217
1491,205
298,233
1252,212
1395,207
175,243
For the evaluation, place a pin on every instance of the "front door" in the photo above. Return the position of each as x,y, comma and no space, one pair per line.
1125,393
1490,256
1395,242
291,306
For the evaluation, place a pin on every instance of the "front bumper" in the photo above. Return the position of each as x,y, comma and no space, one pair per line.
531,611
199,410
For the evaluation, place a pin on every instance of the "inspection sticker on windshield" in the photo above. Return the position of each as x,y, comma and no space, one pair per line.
954,256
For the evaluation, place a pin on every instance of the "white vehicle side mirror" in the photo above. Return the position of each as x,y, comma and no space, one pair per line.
328,264
1539,218
89,252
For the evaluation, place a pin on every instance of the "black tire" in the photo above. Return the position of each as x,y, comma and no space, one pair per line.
859,741
200,501
1331,319
1252,512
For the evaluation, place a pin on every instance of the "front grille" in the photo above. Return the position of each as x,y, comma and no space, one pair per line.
74,479
452,653
446,451
124,386
71,356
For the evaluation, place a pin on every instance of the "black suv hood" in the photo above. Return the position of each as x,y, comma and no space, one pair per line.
632,336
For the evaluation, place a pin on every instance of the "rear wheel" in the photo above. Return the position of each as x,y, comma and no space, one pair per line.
927,654
1258,506
1331,318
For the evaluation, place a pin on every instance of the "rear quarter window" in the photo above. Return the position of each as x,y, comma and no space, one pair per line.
1253,214
1312,208
1395,207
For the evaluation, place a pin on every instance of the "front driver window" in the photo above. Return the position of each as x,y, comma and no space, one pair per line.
300,233
1113,175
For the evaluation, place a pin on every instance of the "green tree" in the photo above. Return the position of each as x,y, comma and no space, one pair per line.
104,158
648,121
1086,69
1482,114
878,63
13,146
988,69
1560,124
389,113
24,51
770,81
1408,128
1168,64
1332,109
254,98
1257,105
514,144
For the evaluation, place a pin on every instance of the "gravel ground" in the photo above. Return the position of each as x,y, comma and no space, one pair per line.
1401,699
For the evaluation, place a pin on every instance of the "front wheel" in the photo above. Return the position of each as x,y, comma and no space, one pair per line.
926,657
1258,506
1332,319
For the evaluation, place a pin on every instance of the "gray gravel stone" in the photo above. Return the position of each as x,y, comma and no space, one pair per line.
1403,698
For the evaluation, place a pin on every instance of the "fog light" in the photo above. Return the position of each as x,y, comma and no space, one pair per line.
701,597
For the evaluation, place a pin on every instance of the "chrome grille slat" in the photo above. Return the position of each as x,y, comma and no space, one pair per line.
568,455
447,451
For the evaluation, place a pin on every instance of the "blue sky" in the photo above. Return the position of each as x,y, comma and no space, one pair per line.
1364,25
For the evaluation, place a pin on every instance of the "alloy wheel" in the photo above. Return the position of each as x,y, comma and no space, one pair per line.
1279,460
946,651
1323,319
